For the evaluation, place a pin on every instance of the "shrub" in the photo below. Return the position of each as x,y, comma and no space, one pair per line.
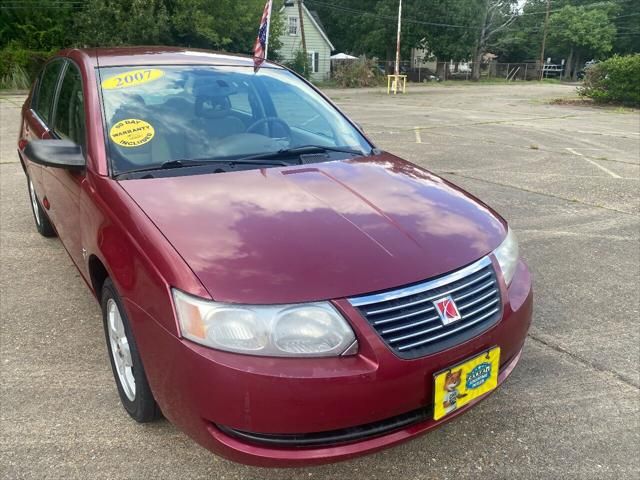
300,64
15,79
357,73
19,66
614,80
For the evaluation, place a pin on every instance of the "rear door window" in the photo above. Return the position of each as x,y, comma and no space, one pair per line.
47,90
69,119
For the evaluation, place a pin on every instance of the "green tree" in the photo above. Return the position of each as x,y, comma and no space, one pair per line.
627,22
453,42
495,16
227,25
368,26
300,64
43,26
521,41
583,32
276,30
104,23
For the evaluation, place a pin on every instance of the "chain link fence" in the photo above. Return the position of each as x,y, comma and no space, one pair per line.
445,71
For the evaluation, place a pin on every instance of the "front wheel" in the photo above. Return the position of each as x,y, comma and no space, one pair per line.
43,225
131,380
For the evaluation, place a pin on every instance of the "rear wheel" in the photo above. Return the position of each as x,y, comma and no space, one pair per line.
131,380
43,225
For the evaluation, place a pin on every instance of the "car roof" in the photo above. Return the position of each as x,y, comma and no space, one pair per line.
155,55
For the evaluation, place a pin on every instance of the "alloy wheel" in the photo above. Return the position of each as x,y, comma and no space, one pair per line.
120,350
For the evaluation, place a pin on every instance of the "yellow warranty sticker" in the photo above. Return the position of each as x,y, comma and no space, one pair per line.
131,132
132,78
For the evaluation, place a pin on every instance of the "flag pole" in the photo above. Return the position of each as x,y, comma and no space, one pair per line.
266,44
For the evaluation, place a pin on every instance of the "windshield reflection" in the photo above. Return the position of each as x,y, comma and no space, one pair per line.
159,114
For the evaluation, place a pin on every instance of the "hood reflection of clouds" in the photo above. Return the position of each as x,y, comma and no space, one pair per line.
421,205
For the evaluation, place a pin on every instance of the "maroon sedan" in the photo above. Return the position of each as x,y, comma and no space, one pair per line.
275,285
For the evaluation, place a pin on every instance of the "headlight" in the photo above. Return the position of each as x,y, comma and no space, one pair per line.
305,330
507,256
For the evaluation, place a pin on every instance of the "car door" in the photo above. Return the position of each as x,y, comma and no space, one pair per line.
62,186
37,117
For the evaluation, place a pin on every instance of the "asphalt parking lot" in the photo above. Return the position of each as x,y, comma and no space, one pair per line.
568,179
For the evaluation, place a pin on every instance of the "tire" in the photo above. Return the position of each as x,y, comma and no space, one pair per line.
43,224
128,372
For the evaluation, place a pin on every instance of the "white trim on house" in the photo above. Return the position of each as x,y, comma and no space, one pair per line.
291,24
313,20
314,60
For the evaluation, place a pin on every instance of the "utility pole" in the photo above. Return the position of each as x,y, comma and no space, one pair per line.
544,40
301,17
397,69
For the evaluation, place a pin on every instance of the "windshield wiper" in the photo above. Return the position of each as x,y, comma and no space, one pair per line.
297,151
201,162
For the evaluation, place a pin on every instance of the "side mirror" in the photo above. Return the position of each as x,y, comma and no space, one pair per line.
55,153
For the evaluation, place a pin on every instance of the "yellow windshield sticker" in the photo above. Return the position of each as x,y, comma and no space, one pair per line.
131,132
132,78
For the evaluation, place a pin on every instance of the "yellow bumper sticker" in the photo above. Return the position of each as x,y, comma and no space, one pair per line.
132,78
131,132
457,386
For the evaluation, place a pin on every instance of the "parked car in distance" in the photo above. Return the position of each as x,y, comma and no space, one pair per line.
583,72
279,288
551,70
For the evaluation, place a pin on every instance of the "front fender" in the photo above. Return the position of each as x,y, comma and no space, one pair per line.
140,261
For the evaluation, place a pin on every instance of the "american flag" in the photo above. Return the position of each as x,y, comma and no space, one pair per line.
262,41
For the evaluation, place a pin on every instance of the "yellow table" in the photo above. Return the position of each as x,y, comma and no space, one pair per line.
394,85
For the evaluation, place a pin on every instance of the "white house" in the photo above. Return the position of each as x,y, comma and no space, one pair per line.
319,46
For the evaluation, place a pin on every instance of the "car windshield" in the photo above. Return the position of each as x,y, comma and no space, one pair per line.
158,116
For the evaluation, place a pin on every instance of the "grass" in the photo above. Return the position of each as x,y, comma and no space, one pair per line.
325,84
491,81
16,79
587,102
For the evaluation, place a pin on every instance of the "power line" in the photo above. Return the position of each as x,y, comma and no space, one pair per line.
588,5
351,10
332,6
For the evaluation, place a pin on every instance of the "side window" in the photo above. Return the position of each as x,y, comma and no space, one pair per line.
240,102
46,90
314,61
240,98
293,26
69,117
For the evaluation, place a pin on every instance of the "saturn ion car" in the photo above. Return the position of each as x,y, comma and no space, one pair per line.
271,282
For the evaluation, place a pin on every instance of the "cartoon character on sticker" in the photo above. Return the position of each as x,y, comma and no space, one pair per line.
452,381
131,133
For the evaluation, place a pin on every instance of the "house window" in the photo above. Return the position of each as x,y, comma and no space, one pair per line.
314,61
293,26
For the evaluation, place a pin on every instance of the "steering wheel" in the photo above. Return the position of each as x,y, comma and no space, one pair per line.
269,121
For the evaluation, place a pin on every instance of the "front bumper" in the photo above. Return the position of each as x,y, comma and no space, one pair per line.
213,395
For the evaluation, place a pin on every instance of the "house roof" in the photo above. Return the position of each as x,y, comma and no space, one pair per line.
315,19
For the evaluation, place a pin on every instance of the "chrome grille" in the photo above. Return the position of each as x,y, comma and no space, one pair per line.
407,319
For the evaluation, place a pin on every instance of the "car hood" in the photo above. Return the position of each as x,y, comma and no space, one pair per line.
316,232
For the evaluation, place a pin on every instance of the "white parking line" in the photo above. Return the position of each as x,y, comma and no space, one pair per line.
418,135
604,169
